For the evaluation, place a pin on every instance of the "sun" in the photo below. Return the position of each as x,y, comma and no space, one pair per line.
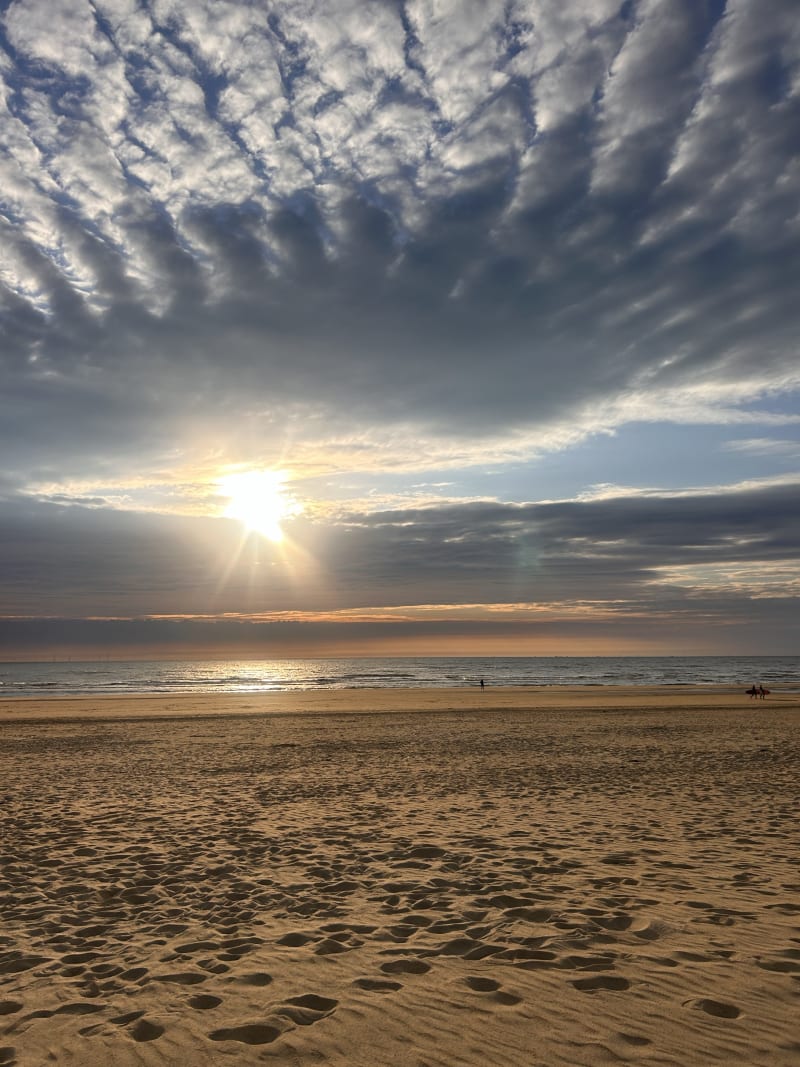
257,500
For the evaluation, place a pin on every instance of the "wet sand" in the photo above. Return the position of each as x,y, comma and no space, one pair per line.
425,878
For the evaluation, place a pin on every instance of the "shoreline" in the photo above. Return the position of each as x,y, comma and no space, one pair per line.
380,701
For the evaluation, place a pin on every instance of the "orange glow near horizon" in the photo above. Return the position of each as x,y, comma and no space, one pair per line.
333,647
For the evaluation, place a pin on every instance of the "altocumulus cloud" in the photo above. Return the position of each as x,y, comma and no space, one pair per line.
226,218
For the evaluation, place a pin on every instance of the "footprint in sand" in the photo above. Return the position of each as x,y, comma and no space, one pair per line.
330,947
600,981
213,966
651,931
428,852
635,1039
402,931
295,939
790,966
248,1034
8,1055
718,1008
128,1017
307,1009
106,970
623,858
482,985
509,999
198,946
405,967
79,1007
257,978
182,978
18,962
204,1002
533,915
468,948
144,1030
489,985
239,946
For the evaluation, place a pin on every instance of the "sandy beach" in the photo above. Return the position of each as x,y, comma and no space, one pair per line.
420,878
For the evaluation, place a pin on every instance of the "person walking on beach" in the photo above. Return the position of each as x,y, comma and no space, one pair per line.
482,684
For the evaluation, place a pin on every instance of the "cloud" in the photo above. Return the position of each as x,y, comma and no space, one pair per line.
244,226
766,446
657,556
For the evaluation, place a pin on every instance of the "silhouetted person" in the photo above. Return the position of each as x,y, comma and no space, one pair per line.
482,683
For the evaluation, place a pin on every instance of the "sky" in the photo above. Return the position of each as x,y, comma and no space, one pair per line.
425,327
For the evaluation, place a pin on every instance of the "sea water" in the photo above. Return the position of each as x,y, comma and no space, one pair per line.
259,675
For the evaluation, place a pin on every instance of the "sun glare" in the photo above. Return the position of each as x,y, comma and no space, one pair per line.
257,500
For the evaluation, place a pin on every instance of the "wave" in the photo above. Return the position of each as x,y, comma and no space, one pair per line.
98,677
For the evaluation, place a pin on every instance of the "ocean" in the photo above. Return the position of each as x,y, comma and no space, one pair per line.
248,676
